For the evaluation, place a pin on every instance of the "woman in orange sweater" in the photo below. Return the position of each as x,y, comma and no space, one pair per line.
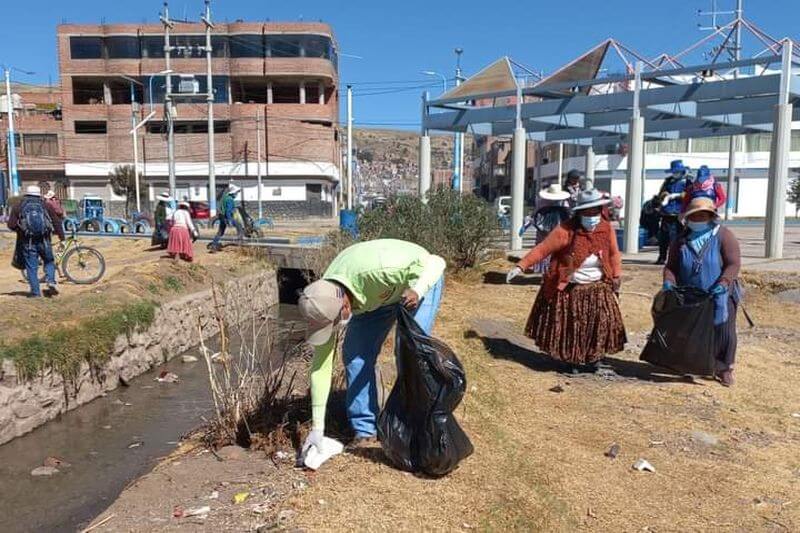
576,318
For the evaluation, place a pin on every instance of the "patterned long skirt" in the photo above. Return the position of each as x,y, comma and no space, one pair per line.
578,325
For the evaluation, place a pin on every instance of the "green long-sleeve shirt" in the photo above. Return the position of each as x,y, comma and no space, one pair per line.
375,274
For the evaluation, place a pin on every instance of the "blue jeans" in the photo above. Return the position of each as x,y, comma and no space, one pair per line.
223,225
362,344
33,251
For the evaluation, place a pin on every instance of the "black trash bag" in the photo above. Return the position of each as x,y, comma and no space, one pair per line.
417,429
683,333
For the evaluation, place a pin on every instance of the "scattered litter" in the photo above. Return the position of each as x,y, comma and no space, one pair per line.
262,508
656,443
199,512
642,465
704,438
105,427
557,388
189,359
300,485
240,497
613,451
590,513
55,462
280,455
473,389
795,415
167,377
135,444
44,471
214,495
321,502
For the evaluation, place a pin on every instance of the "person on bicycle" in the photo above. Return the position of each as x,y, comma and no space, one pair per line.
56,212
32,222
227,217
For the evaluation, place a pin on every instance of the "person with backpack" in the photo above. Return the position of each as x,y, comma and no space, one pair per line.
227,217
671,195
704,185
32,222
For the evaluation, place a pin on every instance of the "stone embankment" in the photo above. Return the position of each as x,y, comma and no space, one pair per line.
27,404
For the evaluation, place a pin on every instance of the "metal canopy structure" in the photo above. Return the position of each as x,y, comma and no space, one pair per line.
666,101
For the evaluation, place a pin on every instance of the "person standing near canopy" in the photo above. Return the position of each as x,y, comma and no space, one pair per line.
707,256
576,318
671,195
361,289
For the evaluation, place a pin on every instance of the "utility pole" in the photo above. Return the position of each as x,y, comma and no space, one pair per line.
135,150
350,147
458,139
13,177
258,155
266,142
735,140
212,176
168,101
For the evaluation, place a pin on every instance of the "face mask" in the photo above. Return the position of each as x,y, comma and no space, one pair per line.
697,226
589,223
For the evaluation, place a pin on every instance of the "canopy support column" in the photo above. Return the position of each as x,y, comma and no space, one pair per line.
779,162
633,189
589,164
424,154
518,143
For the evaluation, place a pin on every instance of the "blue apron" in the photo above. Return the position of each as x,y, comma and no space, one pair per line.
702,270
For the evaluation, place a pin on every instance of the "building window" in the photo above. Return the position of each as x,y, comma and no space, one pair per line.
189,127
312,93
286,93
40,144
122,47
86,47
277,191
91,127
121,92
219,46
246,45
284,45
249,90
188,46
87,91
152,46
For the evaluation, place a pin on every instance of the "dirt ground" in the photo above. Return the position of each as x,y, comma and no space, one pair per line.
725,459
133,270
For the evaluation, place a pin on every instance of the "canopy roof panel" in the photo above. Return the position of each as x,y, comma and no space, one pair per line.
497,77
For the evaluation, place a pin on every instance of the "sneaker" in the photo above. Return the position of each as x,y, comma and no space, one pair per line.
726,377
53,288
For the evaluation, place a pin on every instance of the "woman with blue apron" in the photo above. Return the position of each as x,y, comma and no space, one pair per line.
706,256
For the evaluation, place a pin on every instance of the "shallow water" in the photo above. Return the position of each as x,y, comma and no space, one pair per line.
96,440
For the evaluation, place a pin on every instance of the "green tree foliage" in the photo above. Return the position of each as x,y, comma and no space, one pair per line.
794,193
123,183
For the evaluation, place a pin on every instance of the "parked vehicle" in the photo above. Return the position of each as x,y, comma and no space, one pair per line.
199,210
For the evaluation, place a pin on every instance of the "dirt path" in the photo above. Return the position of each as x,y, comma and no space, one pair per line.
725,459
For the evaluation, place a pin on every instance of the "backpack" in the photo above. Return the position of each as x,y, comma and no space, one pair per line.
34,222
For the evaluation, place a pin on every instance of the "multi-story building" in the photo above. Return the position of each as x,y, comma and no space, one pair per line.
281,78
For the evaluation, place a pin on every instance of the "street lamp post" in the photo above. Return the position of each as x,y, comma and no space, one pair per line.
434,73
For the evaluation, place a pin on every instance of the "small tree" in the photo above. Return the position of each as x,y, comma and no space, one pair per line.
794,193
123,183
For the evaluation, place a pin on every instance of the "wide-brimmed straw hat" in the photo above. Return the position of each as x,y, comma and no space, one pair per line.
164,197
701,203
589,199
185,204
33,190
233,188
554,192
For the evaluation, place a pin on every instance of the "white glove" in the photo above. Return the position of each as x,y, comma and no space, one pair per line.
668,198
314,439
513,273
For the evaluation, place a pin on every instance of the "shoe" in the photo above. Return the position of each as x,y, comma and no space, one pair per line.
362,442
660,261
53,288
726,377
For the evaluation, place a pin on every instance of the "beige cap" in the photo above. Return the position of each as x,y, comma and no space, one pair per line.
700,204
321,305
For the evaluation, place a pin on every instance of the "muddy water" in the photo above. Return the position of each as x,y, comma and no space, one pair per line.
108,442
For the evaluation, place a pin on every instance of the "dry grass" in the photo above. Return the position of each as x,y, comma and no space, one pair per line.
539,459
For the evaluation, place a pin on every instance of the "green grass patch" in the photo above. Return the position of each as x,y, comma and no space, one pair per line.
63,349
171,283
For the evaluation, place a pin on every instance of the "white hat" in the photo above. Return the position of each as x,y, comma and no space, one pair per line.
33,190
554,192
50,194
184,203
233,188
589,199
164,197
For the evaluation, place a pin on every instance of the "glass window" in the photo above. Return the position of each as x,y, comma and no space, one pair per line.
312,93
219,84
188,127
286,93
122,47
316,46
219,46
152,46
91,127
284,45
188,46
39,144
246,45
87,91
86,47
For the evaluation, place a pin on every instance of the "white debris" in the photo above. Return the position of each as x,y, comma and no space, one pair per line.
642,465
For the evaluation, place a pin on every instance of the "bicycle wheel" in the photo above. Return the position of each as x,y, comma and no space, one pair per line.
83,265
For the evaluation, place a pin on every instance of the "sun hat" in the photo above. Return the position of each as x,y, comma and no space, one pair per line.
589,199
320,304
677,166
553,192
703,173
33,190
164,197
701,203
233,188
184,203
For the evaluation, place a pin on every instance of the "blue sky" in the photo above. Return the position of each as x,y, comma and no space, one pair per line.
396,40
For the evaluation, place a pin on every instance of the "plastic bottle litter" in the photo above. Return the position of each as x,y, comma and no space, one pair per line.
199,511
167,377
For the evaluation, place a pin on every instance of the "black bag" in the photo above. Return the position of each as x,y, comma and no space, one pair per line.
34,221
683,333
417,429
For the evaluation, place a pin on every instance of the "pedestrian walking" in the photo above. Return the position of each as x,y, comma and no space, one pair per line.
162,218
706,256
573,186
227,217
576,317
182,234
553,210
705,185
671,195
56,212
30,220
361,289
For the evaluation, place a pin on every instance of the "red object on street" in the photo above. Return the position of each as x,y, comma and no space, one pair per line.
199,210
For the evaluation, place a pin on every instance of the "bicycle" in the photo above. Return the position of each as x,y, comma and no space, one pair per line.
80,264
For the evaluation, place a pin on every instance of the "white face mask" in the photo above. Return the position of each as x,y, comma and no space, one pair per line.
589,223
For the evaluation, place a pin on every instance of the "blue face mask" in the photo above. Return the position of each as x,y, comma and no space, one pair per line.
698,226
589,223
